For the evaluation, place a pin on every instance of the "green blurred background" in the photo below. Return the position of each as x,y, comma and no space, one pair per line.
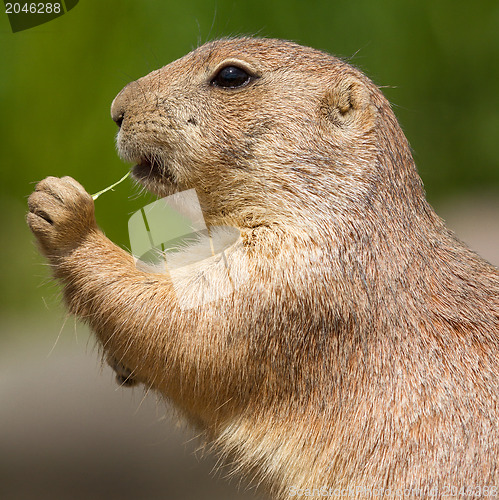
438,62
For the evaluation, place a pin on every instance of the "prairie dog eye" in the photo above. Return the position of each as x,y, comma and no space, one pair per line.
231,77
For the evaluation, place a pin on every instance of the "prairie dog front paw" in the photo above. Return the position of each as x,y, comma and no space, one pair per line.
61,214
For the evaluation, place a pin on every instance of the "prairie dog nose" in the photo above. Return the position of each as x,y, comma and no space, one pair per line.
120,104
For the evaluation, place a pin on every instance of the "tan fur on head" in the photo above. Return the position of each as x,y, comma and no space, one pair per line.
213,140
362,348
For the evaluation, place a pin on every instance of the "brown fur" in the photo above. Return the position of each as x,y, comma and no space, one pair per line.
363,351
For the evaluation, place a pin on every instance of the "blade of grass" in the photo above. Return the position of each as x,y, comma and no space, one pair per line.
96,195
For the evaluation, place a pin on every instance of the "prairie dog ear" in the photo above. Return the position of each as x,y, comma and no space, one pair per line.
348,104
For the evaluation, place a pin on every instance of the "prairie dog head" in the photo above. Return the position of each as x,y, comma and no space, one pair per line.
259,127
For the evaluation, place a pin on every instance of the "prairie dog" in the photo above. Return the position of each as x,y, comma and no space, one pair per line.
363,349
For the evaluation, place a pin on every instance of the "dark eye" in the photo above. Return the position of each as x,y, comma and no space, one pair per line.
231,77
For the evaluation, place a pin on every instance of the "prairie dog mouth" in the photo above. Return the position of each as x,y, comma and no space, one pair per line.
151,170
